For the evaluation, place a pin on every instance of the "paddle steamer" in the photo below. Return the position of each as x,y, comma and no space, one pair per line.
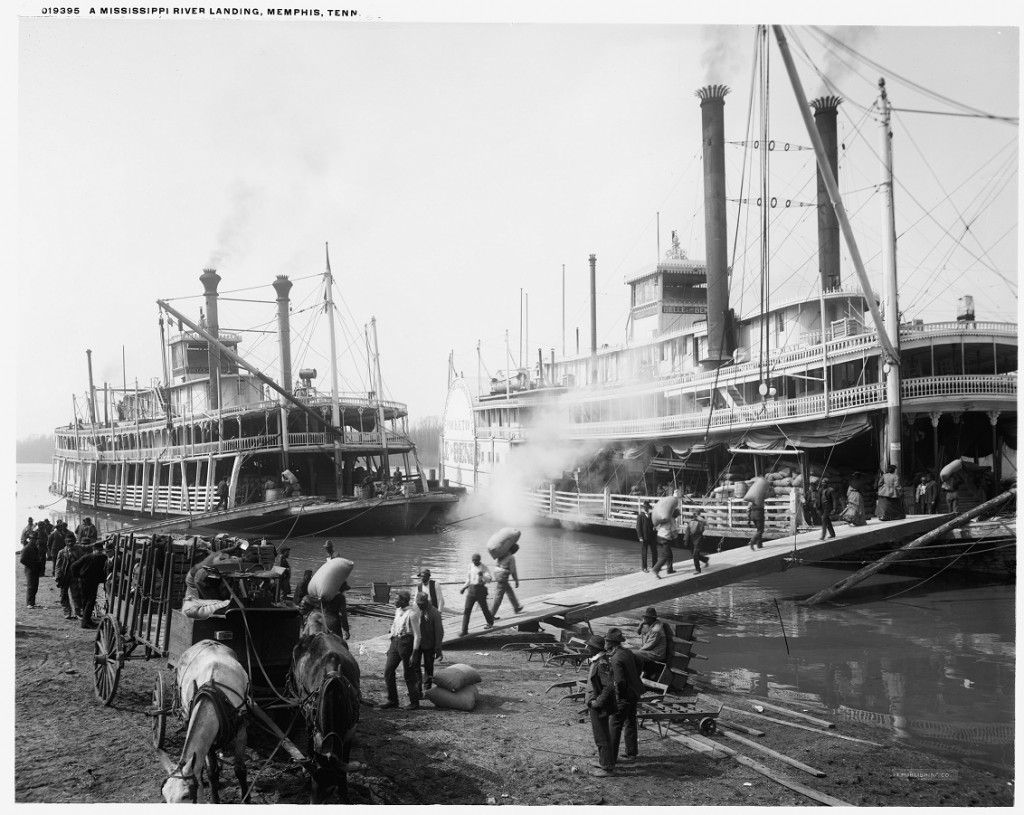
161,451
702,397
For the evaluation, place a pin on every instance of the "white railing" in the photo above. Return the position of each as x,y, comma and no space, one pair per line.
613,509
938,386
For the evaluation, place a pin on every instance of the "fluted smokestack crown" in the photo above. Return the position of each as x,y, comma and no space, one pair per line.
712,109
282,285
826,112
209,278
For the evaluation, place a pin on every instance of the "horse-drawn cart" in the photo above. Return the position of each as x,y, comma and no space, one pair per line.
235,656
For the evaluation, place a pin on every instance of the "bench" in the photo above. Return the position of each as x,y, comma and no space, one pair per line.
673,675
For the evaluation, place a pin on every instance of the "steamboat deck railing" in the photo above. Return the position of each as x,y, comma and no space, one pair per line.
729,517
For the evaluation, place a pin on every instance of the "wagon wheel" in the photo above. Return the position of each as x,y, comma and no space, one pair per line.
160,710
708,726
108,659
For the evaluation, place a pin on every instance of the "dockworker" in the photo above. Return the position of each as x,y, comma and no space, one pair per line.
666,534
503,572
695,534
222,494
303,587
86,532
600,699
329,550
335,610
932,493
57,541
889,496
628,690
91,571
951,489
431,588
69,595
755,513
431,637
828,505
26,533
405,641
646,534
653,641
33,559
286,576
475,590
291,484
924,495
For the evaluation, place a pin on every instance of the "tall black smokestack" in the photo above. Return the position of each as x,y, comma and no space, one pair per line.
282,285
210,279
593,305
826,111
712,109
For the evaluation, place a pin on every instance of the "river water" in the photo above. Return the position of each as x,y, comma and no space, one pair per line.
933,661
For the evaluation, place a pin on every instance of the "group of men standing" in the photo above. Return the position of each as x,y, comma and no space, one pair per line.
662,536
416,638
79,565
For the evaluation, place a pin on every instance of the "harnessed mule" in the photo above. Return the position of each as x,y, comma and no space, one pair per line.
213,686
325,677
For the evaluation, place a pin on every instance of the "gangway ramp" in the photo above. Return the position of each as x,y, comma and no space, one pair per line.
639,589
264,509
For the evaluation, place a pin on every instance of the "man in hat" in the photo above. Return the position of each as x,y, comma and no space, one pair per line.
26,533
695,534
828,505
69,591
431,637
653,640
600,699
405,642
646,534
222,494
86,532
91,571
431,588
329,550
628,690
33,558
475,589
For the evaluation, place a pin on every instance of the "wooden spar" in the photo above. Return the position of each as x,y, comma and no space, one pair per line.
833,193
870,569
803,716
780,756
778,778
750,731
802,726
269,723
266,380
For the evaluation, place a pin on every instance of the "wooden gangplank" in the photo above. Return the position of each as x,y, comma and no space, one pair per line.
639,589
214,517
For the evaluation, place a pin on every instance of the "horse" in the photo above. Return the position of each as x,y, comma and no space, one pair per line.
214,688
325,677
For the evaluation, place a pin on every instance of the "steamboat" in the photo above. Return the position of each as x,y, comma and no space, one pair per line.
217,443
702,397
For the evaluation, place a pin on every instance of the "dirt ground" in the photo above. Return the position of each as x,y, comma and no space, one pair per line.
520,746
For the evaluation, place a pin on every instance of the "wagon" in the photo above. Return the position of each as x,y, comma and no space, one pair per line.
144,620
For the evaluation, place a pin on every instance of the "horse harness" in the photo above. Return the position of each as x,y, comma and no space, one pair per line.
228,720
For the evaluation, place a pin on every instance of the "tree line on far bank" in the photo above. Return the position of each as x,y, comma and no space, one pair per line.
426,433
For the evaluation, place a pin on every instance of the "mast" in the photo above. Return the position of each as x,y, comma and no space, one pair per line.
833,194
892,454
335,404
92,389
380,406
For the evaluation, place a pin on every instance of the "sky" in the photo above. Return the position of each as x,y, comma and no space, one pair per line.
455,164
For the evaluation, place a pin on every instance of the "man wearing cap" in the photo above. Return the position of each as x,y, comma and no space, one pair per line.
628,690
86,532
828,504
504,571
646,534
430,588
91,571
653,640
404,650
600,699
